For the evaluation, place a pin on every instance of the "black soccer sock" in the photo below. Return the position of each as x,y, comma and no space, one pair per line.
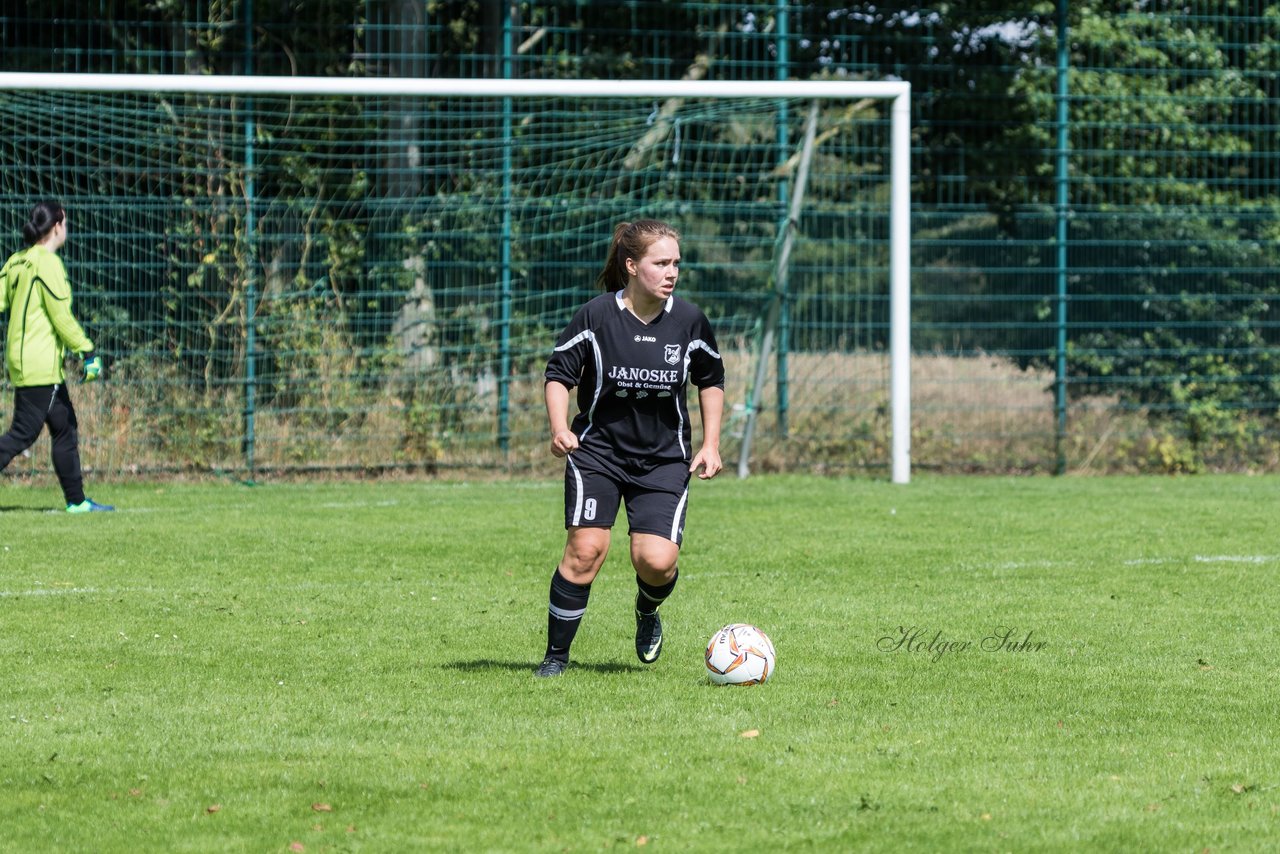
568,602
648,598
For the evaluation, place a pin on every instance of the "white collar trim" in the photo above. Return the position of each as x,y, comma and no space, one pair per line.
622,306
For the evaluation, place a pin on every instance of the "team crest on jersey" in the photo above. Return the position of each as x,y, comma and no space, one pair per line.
672,353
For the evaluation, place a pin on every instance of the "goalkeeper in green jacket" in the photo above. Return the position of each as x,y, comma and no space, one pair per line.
35,299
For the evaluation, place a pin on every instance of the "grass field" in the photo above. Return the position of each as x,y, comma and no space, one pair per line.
348,667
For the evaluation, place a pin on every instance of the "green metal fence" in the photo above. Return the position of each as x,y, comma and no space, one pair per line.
1095,230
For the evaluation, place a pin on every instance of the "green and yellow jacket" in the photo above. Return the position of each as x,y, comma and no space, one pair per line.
37,299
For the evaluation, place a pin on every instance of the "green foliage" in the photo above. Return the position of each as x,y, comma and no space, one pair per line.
378,227
1204,355
1165,119
186,426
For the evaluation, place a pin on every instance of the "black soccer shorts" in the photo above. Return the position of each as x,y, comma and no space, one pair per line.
656,498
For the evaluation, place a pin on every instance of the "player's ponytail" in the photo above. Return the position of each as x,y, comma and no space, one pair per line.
44,216
630,240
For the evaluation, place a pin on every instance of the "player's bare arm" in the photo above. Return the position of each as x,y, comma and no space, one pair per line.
563,440
711,404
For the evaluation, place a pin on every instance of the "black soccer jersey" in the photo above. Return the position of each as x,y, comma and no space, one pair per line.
632,377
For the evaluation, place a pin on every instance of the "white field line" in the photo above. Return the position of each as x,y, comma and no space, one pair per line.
47,591
1156,561
1007,566
1034,564
1012,566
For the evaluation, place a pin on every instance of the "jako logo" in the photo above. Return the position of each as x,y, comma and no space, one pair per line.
647,338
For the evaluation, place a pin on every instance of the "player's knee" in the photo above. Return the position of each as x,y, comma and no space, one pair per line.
584,556
652,573
656,561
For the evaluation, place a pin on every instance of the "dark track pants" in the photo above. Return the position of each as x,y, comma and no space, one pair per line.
34,407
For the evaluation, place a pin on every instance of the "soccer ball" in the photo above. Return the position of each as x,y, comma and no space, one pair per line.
740,654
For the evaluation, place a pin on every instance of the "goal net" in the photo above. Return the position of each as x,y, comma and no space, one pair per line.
295,274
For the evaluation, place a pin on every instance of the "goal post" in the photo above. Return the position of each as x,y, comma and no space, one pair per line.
174,148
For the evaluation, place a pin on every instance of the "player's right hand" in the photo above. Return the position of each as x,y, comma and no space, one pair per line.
564,442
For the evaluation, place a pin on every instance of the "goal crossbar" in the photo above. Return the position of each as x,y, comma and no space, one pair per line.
897,92
427,86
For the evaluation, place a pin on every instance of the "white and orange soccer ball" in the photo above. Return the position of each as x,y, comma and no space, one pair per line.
740,654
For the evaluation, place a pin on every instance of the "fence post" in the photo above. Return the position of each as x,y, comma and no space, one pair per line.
784,309
504,321
251,262
1062,210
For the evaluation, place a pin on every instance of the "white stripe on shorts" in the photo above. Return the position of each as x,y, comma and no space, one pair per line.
675,523
577,496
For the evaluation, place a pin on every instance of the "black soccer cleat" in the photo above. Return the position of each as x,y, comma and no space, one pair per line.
648,637
551,667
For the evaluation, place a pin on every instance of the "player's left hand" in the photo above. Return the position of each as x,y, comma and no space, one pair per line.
92,367
709,460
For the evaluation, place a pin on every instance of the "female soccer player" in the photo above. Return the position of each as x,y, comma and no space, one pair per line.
37,298
631,353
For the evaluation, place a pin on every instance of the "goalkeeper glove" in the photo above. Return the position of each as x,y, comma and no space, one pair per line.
92,367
